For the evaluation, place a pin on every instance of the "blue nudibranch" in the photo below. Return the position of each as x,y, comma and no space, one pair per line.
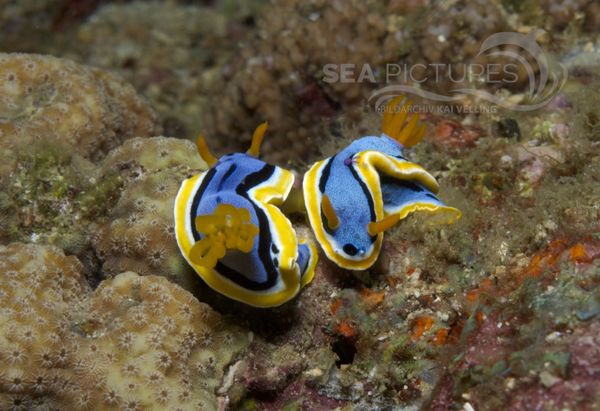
366,188
230,230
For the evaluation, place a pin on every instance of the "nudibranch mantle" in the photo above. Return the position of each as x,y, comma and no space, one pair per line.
353,196
276,266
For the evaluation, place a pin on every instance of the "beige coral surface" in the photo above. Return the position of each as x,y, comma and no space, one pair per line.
138,233
58,119
134,343
63,103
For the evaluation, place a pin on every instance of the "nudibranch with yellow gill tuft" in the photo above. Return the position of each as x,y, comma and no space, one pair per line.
231,231
368,187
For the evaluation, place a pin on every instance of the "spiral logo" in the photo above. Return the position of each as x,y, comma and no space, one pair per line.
522,51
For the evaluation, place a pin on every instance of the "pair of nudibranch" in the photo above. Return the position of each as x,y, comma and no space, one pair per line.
231,230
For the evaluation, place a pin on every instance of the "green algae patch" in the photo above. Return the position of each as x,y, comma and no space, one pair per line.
52,197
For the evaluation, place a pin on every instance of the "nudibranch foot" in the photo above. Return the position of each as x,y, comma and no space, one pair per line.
400,198
307,260
368,187
231,231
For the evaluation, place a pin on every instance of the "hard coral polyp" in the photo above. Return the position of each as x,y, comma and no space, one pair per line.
139,233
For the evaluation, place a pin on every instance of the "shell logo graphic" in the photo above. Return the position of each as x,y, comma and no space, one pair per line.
522,52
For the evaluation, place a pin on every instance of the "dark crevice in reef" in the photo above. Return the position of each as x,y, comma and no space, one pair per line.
269,323
92,267
345,349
